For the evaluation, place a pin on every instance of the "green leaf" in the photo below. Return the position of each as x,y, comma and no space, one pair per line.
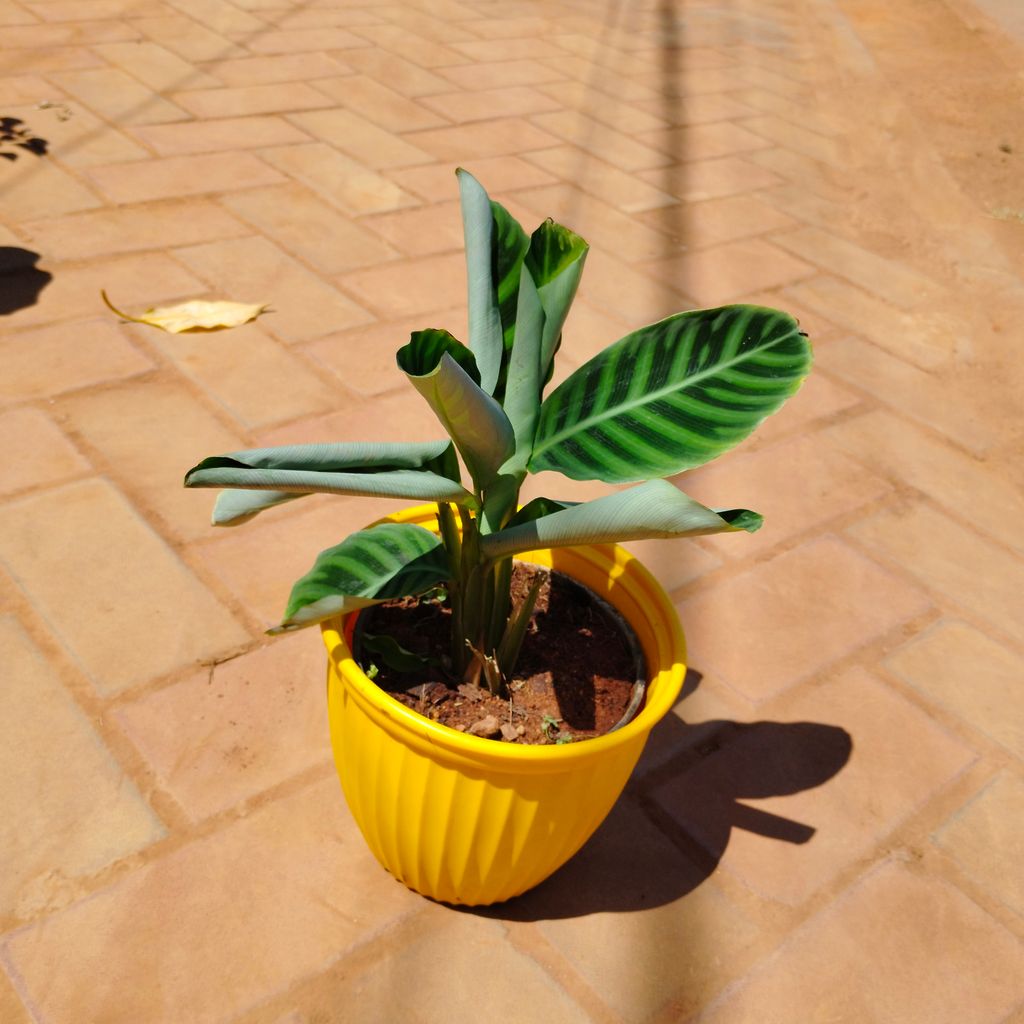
509,247
652,509
525,380
265,477
555,262
394,655
474,420
485,333
671,396
386,561
537,508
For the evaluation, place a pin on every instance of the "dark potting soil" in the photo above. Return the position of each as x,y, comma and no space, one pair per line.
574,679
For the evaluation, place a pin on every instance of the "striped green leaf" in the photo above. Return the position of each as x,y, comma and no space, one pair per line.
485,332
555,262
671,396
509,247
652,509
386,561
441,370
261,478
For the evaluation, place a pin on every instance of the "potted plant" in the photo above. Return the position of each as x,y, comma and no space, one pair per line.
458,817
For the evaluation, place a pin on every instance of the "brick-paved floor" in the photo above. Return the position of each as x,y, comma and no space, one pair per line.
830,826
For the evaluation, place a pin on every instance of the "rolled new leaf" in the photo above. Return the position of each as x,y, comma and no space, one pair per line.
555,261
485,331
441,370
652,509
265,477
386,561
671,396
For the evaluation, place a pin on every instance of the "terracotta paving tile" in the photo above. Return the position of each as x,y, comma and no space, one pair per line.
127,425
242,100
673,562
883,953
797,137
339,179
17,37
708,179
796,485
323,17
895,281
182,176
288,67
81,140
617,188
361,139
967,673
117,96
12,1009
260,561
399,289
58,825
421,231
407,77
968,420
624,117
22,89
255,270
602,225
219,135
629,294
704,141
588,331
302,223
90,10
729,218
815,178
375,370
133,229
795,767
617,148
155,66
731,271
42,363
46,191
931,339
699,109
818,397
391,110
175,940
258,380
497,137
486,104
222,17
187,38
474,946
501,74
217,739
12,14
910,455
43,456
99,606
965,570
412,45
984,837
777,623
138,281
303,40
435,182
622,956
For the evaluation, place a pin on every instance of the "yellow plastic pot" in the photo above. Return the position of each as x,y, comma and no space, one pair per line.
474,821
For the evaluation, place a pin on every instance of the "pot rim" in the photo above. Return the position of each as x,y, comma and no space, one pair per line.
628,580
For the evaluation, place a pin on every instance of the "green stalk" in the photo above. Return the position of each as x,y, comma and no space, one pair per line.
453,549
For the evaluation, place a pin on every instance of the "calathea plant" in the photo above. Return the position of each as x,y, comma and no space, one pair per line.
661,400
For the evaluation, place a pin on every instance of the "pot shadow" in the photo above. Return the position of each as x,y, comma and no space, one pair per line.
669,830
21,280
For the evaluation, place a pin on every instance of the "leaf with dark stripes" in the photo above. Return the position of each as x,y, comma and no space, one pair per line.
509,244
386,561
652,509
441,371
671,396
261,478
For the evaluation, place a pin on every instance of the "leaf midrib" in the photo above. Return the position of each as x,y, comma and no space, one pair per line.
648,397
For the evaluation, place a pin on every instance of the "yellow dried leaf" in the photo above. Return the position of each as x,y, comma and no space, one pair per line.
194,317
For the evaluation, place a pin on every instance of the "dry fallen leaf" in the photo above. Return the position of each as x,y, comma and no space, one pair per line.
194,317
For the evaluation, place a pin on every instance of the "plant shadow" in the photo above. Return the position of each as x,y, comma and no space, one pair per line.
21,280
669,830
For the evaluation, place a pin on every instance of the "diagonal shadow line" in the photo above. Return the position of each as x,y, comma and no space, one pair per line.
106,123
